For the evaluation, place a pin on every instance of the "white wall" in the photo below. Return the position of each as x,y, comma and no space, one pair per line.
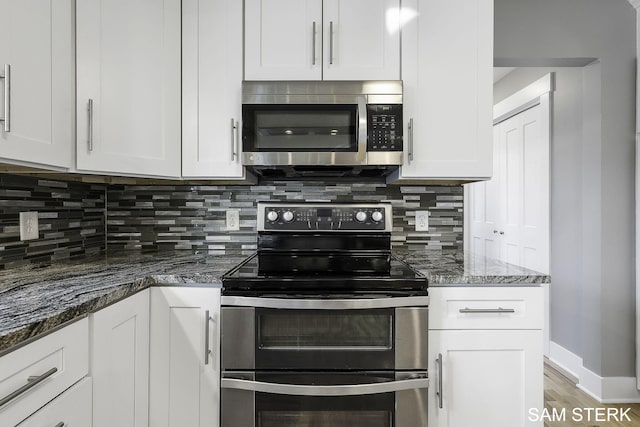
592,165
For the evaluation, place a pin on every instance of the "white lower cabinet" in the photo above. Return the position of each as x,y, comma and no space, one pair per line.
120,363
71,409
184,367
487,377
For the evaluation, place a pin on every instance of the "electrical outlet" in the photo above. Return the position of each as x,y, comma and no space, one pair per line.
233,220
29,225
422,220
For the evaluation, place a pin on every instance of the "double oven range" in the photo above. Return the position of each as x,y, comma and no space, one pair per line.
323,326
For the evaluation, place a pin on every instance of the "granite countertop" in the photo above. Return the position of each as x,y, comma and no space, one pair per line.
38,298
457,268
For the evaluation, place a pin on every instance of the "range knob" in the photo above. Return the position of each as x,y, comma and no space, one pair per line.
361,216
272,216
287,216
376,216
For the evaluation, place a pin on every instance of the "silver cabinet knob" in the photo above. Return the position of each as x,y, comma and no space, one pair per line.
287,216
361,216
272,216
376,216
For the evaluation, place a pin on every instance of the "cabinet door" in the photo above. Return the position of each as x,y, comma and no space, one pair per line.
71,409
447,65
489,377
211,88
280,42
184,367
128,63
37,45
120,363
361,40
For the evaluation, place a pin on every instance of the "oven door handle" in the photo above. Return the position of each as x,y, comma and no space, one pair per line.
325,304
324,390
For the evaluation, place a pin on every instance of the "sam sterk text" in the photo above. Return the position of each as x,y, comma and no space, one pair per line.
581,414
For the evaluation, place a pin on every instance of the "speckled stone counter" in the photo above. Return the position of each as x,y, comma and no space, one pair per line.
38,298
457,268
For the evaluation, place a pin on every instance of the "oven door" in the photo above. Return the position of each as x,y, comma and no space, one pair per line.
305,134
359,399
330,334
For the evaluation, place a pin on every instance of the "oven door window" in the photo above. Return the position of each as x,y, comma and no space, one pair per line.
325,339
299,128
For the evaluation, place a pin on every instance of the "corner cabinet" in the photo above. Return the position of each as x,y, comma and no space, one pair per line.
37,53
447,69
322,40
128,87
211,89
184,369
485,356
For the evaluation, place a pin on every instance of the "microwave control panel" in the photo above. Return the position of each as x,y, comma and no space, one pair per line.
385,127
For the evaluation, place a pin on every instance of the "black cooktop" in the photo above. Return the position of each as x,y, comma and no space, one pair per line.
322,274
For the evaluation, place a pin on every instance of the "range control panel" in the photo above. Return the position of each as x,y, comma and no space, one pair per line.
384,127
324,217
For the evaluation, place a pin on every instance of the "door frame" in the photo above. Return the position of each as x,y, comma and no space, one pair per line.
537,93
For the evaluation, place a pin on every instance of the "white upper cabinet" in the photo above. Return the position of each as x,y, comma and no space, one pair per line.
447,64
37,49
128,87
361,40
211,88
315,40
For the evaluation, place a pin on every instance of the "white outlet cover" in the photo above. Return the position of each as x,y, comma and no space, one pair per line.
29,226
422,220
233,220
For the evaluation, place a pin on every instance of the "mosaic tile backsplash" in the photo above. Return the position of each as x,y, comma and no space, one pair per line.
194,217
71,219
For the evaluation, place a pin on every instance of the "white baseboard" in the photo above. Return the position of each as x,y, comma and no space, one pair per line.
603,389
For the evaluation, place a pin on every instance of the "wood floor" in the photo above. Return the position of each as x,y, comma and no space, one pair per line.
560,393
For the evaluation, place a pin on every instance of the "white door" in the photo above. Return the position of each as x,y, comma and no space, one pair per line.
120,363
184,369
128,64
280,41
447,67
489,378
211,88
361,40
36,44
512,209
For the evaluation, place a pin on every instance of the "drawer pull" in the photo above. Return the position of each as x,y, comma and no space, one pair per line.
487,310
31,382
60,424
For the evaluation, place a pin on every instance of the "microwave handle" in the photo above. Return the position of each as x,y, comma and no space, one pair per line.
323,390
362,129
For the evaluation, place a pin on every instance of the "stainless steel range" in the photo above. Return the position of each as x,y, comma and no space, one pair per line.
323,326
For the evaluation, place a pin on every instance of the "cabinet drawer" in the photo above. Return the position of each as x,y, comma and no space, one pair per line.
71,409
33,375
486,308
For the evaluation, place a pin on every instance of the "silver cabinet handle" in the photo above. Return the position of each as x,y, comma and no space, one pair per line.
331,42
487,310
60,424
313,47
439,390
324,390
362,128
90,126
7,97
410,126
234,139
324,304
207,319
31,382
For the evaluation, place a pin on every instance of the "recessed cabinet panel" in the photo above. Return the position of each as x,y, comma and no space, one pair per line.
37,50
447,63
128,100
280,42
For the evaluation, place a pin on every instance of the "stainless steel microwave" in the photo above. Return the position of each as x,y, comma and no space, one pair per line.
322,123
